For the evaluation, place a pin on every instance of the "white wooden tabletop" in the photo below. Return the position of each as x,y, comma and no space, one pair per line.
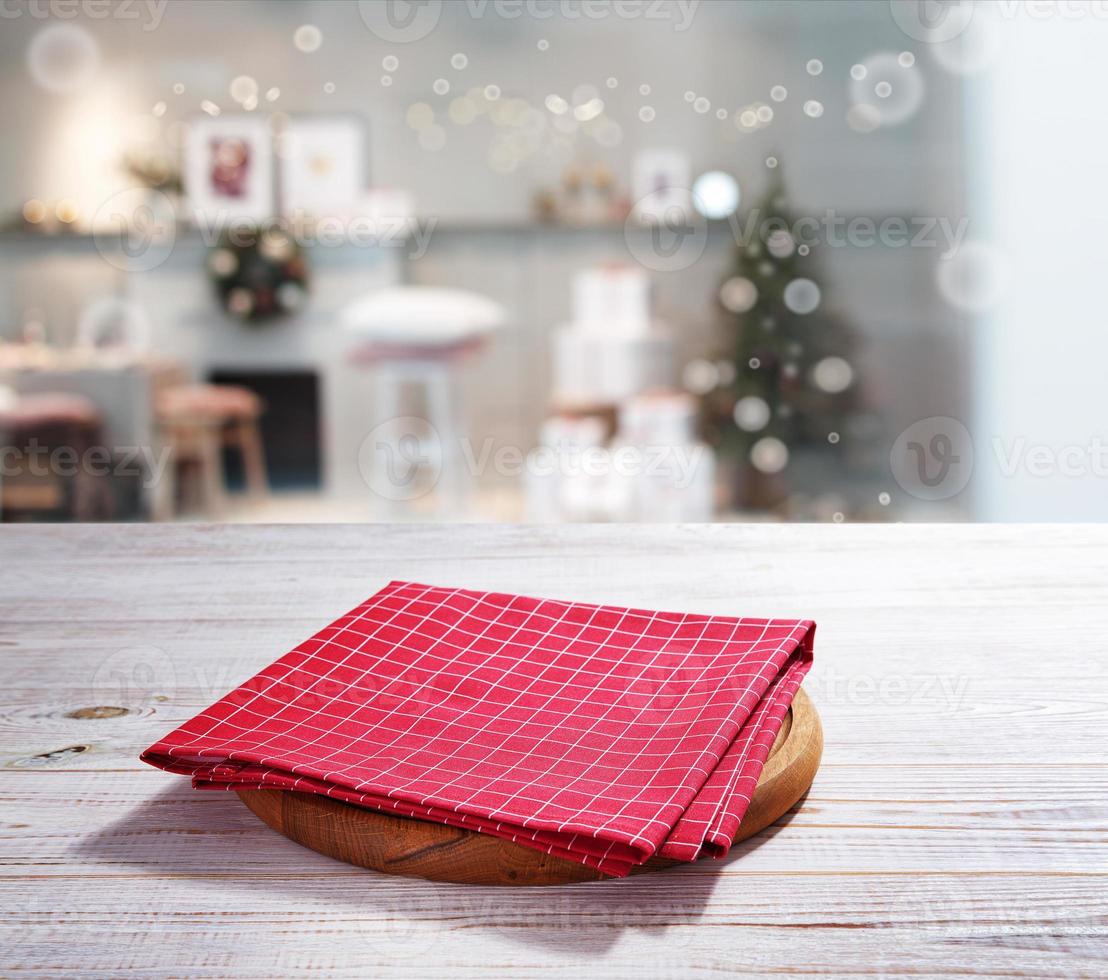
958,824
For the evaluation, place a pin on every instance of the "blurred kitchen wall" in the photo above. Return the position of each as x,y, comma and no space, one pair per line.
915,358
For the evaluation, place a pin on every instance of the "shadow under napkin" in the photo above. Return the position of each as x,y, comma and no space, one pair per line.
196,837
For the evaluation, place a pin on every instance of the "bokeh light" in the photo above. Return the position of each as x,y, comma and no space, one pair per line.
802,296
891,92
738,294
751,413
716,194
63,58
974,278
769,455
307,38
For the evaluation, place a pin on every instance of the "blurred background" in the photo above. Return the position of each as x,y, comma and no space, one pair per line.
552,260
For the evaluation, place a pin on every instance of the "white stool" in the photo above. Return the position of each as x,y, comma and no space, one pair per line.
416,338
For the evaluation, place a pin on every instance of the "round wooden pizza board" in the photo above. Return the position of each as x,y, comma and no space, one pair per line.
416,848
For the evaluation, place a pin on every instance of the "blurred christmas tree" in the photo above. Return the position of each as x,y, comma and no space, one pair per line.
786,381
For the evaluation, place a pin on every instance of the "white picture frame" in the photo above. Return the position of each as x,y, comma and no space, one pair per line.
660,185
229,169
322,166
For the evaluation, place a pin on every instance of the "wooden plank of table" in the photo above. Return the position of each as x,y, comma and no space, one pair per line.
958,825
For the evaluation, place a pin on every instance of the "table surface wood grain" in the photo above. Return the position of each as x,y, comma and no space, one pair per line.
957,826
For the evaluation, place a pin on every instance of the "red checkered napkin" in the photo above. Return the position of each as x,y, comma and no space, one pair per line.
596,733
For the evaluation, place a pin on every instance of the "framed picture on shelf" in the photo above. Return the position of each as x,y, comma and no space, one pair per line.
322,166
228,169
660,182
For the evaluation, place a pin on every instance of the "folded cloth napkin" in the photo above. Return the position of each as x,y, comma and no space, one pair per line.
600,734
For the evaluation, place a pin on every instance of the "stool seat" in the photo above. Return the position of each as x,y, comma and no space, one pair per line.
375,350
55,421
208,404
422,315
199,421
48,409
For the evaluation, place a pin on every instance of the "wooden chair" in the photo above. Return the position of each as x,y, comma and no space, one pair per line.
49,422
198,421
